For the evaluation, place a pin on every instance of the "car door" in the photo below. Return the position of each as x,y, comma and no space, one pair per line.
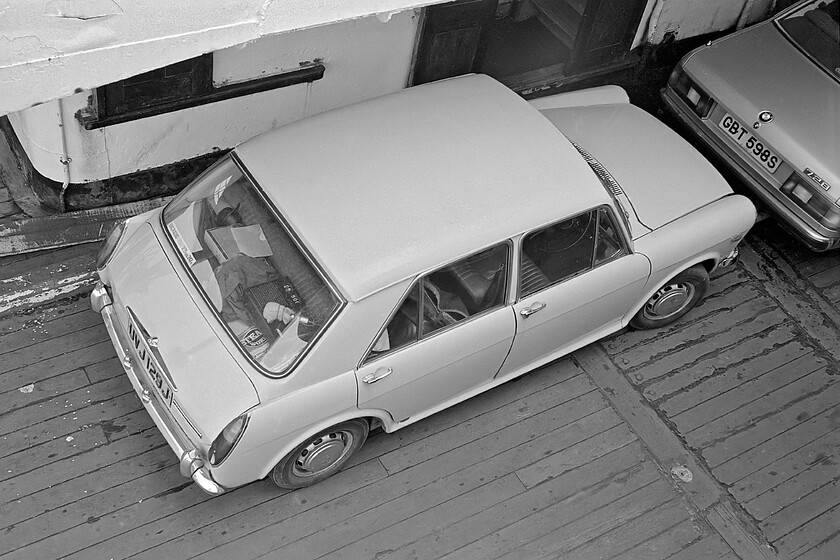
577,280
450,334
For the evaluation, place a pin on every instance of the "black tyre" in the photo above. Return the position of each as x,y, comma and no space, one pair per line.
320,456
673,300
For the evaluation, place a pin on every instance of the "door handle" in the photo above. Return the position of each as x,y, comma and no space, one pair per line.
379,374
533,308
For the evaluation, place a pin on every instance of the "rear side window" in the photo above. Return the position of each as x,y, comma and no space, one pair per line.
568,248
448,296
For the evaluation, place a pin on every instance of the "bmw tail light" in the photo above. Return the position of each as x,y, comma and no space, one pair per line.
812,199
700,101
226,441
111,242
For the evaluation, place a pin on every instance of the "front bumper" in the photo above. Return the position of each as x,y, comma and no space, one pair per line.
191,463
771,197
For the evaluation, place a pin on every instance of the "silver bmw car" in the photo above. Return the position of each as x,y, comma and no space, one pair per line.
766,101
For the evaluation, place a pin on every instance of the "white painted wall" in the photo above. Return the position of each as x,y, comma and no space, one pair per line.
689,18
364,58
50,49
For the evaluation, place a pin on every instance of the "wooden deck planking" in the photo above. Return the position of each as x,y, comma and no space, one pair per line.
824,446
31,335
756,399
544,522
803,510
379,530
710,547
71,407
714,302
753,367
766,415
584,480
722,320
74,359
666,544
716,364
796,488
676,359
790,441
478,462
776,423
371,445
124,521
466,483
562,540
771,384
639,531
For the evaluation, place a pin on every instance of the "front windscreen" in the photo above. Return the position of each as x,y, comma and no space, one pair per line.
251,270
815,27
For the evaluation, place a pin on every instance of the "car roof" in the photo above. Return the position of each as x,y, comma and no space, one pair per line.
394,186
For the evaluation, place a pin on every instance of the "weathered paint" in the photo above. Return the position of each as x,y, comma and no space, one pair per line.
50,50
364,58
688,18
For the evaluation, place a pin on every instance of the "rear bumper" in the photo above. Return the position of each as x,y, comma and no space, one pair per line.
192,463
786,211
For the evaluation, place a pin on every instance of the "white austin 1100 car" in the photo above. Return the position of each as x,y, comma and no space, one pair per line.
378,263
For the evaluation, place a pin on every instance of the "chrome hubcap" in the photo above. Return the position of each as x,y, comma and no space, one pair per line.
323,453
669,301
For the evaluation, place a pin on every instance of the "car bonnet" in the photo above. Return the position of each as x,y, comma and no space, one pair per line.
210,386
759,69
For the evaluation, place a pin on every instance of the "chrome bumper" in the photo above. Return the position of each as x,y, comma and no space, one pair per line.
729,259
191,463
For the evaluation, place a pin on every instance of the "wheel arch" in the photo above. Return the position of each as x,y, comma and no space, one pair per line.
372,417
708,262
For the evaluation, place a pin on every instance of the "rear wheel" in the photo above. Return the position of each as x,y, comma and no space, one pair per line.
673,300
320,456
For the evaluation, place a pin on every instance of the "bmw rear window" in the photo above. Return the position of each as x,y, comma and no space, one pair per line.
815,28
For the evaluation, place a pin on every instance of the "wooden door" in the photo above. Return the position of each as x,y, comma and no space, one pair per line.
606,33
452,39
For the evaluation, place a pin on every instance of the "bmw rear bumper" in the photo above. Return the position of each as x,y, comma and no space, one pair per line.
191,462
772,198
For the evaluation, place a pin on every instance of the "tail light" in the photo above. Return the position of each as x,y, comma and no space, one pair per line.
699,101
111,242
813,200
226,441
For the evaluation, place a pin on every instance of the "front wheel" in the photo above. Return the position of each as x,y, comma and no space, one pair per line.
673,300
320,456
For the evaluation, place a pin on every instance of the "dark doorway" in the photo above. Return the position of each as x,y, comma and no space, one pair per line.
526,43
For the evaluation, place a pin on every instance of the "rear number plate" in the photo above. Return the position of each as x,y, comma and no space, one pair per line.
752,145
148,362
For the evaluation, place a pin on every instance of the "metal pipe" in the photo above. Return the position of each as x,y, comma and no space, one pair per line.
65,159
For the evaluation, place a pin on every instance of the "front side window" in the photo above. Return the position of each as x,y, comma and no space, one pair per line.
815,28
448,296
251,270
568,248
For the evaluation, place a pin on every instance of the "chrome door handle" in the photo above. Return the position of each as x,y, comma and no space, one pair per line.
380,374
533,308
